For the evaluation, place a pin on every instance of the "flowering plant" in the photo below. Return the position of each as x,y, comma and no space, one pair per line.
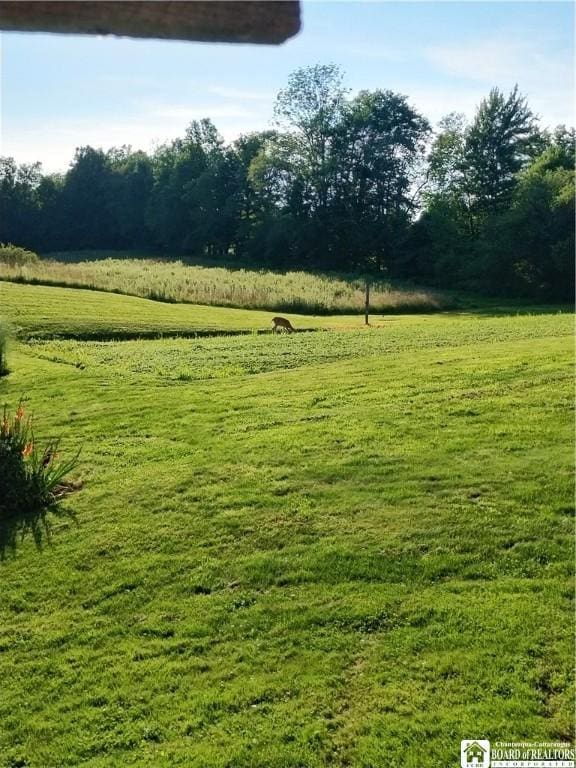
30,478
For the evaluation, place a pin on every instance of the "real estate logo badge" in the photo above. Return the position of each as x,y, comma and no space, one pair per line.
475,753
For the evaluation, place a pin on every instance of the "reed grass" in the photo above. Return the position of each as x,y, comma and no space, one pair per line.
174,281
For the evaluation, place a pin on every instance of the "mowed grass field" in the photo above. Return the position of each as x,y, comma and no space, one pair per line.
351,548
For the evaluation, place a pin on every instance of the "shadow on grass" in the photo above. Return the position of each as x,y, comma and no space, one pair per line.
37,524
516,311
122,335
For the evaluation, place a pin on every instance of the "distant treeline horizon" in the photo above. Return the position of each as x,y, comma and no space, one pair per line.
353,184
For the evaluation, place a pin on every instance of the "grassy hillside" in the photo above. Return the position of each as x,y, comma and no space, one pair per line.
322,550
174,281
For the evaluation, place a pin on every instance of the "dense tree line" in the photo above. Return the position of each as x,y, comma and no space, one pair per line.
342,183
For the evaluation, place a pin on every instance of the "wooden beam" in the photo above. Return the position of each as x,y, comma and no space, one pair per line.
232,21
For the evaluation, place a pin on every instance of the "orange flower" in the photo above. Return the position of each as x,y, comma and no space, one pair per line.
28,450
19,413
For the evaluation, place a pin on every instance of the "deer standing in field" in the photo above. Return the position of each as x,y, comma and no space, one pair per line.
282,322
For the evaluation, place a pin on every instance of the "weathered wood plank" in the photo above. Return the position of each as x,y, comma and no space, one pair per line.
239,21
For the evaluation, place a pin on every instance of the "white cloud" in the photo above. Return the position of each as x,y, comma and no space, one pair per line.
498,59
543,73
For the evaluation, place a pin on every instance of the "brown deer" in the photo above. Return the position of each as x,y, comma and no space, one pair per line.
282,322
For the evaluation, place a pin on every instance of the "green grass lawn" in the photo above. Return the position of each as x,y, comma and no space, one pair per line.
340,549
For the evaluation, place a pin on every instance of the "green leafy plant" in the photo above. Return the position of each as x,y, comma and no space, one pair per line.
31,478
15,256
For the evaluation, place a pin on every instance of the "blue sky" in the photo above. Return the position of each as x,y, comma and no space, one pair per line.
60,92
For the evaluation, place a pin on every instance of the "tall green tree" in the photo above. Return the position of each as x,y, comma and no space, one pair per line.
196,196
85,202
310,109
53,225
19,202
130,187
380,145
254,210
501,141
442,239
446,165
294,173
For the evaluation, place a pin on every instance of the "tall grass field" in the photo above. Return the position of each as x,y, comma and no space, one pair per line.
174,281
348,548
